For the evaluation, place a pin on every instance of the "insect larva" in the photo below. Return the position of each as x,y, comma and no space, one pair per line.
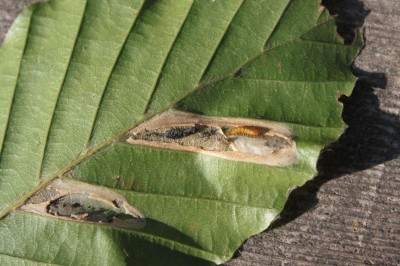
248,131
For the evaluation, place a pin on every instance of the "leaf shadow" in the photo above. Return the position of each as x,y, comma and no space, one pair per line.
350,15
372,136
368,141
142,251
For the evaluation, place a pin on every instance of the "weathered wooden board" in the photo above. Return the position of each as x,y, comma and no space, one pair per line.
350,214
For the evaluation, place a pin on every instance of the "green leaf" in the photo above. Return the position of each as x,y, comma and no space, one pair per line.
77,76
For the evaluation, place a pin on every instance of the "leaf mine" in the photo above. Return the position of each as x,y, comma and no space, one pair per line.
73,200
240,139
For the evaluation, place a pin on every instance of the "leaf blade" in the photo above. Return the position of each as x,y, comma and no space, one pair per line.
145,79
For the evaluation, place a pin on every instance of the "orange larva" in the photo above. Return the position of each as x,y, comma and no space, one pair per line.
247,131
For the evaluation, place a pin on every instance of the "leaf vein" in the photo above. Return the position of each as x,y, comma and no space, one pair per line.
151,95
6,128
277,23
25,260
109,77
58,97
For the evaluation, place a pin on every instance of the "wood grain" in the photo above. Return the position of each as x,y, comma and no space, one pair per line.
350,213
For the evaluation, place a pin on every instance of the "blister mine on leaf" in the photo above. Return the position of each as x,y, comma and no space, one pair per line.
73,200
240,139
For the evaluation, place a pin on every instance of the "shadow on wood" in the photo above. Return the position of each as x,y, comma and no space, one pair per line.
372,136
